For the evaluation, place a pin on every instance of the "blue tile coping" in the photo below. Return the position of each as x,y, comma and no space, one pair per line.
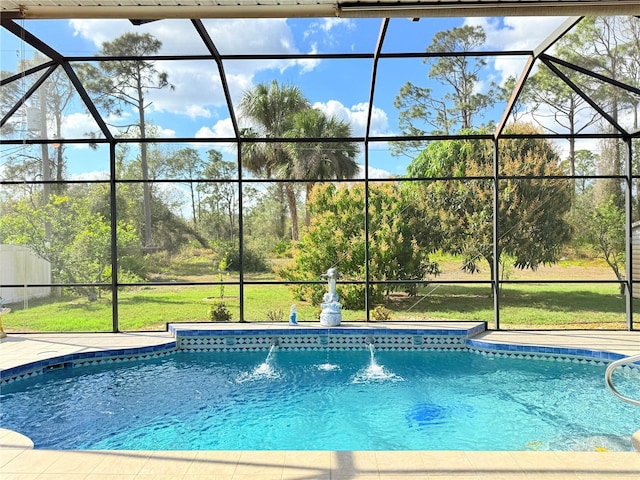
83,358
191,337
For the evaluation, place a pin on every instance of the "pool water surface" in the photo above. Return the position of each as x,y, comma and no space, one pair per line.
323,400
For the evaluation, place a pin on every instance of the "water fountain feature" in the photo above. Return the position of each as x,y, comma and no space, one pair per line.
331,316
325,340
374,371
274,345
328,366
265,369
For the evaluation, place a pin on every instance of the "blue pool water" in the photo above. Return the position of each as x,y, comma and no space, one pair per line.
432,400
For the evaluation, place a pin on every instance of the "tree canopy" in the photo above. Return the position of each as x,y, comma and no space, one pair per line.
336,238
281,111
458,75
531,216
127,82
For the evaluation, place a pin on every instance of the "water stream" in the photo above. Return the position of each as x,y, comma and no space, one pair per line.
264,370
328,366
374,372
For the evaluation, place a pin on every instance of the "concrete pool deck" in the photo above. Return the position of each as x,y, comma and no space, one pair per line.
19,461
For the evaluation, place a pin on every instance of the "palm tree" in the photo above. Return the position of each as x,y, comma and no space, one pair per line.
271,108
320,160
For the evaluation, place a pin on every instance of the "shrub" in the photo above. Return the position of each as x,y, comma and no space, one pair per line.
219,312
275,315
282,249
381,314
351,296
252,261
401,238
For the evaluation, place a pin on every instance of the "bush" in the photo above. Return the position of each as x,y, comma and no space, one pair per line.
219,312
351,296
282,249
275,315
381,314
251,262
401,237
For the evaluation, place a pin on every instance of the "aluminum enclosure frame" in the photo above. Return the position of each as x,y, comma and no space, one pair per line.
11,23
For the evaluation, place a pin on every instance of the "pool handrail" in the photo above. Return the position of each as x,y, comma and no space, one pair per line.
609,372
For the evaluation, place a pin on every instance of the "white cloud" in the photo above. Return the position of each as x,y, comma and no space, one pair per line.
330,23
327,29
254,36
177,36
221,129
195,111
514,33
89,176
166,132
198,90
77,125
356,116
309,64
99,31
239,36
374,173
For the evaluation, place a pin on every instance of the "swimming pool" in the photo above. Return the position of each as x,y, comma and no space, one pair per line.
323,400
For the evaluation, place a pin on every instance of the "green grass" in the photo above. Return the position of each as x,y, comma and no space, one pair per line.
523,306
150,308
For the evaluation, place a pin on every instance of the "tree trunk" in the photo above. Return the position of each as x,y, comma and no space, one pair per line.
572,140
293,209
193,205
282,214
146,189
307,215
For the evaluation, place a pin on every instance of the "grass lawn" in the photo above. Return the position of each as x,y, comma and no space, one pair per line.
541,306
522,306
530,306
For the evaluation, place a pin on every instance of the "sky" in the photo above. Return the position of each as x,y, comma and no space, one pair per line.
196,106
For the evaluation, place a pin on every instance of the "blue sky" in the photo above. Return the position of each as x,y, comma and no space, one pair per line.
196,107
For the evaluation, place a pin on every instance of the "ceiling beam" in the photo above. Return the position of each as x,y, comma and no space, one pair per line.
37,84
30,9
158,12
556,35
547,61
515,96
586,71
206,38
487,8
547,43
374,73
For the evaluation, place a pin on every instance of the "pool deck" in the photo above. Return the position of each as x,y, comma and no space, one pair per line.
19,461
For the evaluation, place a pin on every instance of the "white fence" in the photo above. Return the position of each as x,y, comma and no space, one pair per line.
20,266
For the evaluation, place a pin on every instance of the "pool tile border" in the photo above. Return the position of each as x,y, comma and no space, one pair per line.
194,339
96,357
541,351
